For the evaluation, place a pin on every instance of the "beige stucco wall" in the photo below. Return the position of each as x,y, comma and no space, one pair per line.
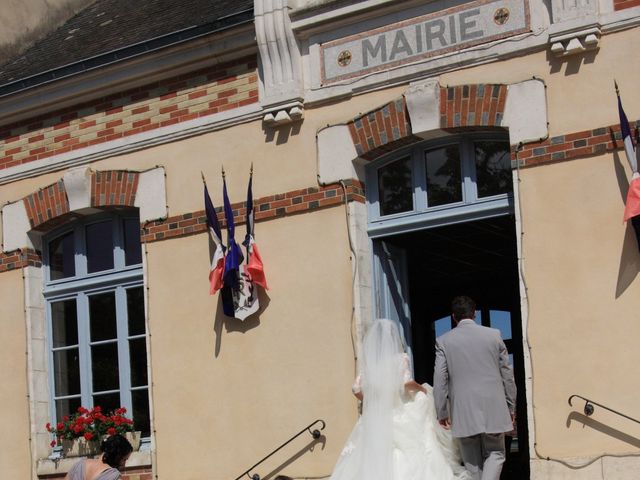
14,444
580,91
581,267
227,392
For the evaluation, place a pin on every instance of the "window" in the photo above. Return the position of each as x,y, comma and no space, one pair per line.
95,311
463,175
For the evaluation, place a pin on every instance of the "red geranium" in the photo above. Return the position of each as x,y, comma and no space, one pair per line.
91,424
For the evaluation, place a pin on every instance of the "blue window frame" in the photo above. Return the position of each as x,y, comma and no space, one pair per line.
457,178
96,322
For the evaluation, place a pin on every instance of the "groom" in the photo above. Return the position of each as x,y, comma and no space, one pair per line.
472,372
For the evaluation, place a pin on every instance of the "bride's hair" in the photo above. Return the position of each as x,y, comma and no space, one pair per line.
382,383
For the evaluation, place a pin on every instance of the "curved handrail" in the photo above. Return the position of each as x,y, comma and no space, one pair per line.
588,408
315,434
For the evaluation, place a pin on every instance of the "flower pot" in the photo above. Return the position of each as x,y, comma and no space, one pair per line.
79,447
134,439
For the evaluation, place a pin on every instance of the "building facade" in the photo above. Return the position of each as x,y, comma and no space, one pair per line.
402,152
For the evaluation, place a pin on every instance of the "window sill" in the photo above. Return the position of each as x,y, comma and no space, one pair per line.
47,466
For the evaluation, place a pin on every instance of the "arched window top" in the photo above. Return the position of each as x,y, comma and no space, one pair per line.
459,175
101,244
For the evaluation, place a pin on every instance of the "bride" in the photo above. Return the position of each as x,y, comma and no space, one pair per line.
397,436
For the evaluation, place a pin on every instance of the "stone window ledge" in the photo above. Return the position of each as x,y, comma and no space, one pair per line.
48,467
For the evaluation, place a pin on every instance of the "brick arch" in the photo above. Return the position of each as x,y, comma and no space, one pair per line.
82,191
462,107
50,206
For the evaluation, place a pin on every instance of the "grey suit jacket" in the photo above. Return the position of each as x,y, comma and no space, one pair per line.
472,371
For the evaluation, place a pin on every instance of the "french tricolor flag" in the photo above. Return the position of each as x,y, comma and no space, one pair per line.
632,206
217,264
254,267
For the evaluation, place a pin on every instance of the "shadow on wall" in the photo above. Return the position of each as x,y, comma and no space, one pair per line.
235,325
281,134
630,255
572,63
308,448
602,428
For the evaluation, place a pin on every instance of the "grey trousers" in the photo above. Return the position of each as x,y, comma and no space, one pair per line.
483,455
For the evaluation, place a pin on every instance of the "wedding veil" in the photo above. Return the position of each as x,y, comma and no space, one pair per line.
382,384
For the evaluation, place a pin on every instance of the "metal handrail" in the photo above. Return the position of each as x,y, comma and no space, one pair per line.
315,434
588,408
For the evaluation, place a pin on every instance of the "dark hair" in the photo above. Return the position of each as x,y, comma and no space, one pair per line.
463,307
115,448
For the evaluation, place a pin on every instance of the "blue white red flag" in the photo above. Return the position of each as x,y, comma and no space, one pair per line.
254,266
233,259
632,205
217,263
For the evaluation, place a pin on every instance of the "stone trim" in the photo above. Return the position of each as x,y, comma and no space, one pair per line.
266,208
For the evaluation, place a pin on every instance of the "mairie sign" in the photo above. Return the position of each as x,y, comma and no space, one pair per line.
421,37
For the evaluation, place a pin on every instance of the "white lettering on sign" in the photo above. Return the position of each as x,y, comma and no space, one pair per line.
422,37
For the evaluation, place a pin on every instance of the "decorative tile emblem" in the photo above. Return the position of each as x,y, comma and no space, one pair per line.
501,16
344,58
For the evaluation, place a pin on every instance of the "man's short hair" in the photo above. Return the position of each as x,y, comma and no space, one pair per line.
463,307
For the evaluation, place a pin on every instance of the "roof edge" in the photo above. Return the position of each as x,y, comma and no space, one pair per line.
126,53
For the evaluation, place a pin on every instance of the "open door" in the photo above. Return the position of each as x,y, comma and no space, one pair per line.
391,286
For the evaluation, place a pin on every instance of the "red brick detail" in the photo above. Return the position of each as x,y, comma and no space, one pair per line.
622,4
179,99
582,144
480,105
114,187
266,208
47,203
382,130
19,259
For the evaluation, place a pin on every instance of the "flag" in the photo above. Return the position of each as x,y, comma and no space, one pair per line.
254,267
217,264
241,296
632,205
234,255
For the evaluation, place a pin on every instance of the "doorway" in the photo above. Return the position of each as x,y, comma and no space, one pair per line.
417,275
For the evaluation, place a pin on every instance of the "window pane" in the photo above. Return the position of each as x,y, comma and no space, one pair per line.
61,257
104,367
395,190
443,325
444,180
99,246
135,311
67,372
138,358
64,323
108,402
140,399
66,407
493,168
132,248
502,321
102,316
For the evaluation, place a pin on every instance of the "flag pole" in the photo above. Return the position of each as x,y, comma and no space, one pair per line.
203,180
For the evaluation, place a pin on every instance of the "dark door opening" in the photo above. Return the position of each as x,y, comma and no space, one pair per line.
478,259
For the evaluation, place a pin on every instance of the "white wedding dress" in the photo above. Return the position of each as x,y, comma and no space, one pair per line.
403,441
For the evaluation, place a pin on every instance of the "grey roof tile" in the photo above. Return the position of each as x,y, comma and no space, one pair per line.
110,30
